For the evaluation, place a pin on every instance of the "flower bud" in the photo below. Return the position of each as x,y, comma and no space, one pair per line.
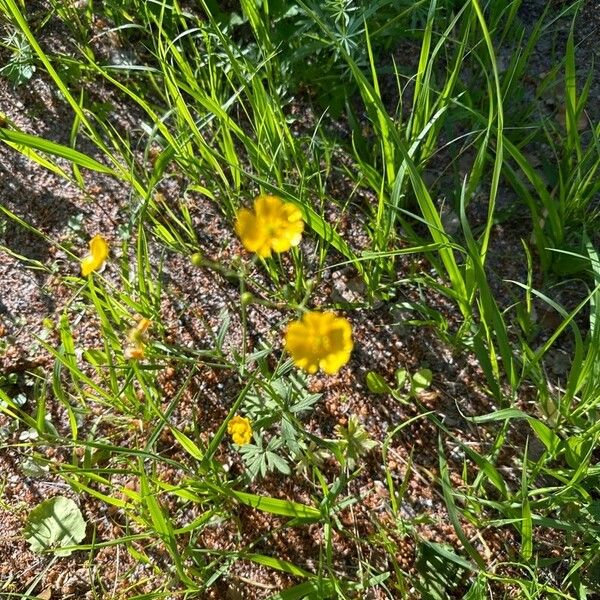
196,259
247,298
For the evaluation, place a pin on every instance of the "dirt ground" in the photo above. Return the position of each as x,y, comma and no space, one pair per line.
31,299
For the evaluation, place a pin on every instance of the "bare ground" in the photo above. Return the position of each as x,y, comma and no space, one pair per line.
32,299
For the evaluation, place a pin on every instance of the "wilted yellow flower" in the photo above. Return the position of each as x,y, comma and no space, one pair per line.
143,325
240,430
137,338
137,334
134,352
98,254
273,225
319,339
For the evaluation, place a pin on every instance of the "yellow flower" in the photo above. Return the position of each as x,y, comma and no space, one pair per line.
273,225
98,254
240,430
319,339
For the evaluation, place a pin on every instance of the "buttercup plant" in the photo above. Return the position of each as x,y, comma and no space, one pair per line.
354,440
415,199
276,404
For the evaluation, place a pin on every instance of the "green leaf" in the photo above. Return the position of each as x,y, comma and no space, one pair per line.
526,523
188,445
38,143
486,467
441,571
53,525
280,565
377,384
453,513
526,530
287,508
288,433
307,589
400,376
576,450
95,357
542,431
421,380
275,461
593,509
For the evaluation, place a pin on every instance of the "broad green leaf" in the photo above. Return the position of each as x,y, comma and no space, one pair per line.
400,376
95,357
485,466
526,523
421,380
53,525
308,589
543,432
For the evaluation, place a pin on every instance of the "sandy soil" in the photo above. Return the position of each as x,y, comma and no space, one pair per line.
32,299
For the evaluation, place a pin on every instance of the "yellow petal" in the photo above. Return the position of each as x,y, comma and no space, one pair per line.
87,265
267,207
292,214
280,244
143,325
98,254
332,363
240,430
250,231
299,342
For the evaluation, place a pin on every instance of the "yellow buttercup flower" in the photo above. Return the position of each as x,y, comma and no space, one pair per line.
319,340
98,254
240,430
273,225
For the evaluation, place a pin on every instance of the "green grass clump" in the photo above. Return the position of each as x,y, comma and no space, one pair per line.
397,130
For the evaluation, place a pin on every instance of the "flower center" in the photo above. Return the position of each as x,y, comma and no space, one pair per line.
321,344
273,229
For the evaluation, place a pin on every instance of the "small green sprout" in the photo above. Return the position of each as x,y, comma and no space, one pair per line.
355,441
